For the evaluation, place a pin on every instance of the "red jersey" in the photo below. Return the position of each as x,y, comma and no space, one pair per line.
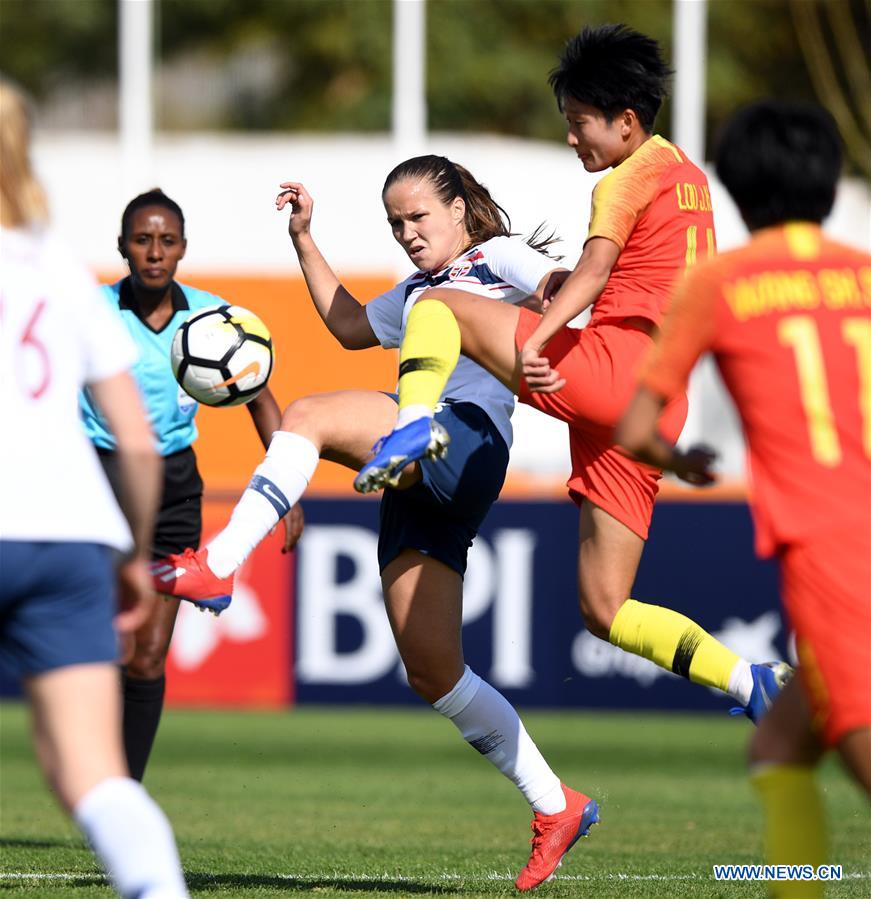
656,206
788,318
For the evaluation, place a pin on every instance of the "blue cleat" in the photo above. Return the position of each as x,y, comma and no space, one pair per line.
424,438
768,680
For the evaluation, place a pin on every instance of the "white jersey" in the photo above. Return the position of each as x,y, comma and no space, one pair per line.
57,335
503,268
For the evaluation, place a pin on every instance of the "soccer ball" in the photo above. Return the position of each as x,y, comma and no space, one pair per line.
222,355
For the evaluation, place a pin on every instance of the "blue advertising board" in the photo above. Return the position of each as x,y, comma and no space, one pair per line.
522,628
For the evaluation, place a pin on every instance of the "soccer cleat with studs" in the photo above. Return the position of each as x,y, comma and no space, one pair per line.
423,438
187,576
554,835
768,680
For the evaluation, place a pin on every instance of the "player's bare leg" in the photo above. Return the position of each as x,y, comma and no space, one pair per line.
424,601
608,559
344,425
144,684
424,605
486,332
76,727
77,733
783,754
855,750
340,427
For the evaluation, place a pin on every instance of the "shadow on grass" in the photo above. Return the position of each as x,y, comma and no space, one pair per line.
25,843
291,883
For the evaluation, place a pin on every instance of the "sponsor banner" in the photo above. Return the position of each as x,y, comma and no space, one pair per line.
243,657
522,629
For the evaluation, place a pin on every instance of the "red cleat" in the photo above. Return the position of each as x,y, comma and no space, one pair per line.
188,576
554,835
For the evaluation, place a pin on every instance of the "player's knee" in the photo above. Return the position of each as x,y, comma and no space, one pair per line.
771,745
598,610
148,661
431,685
300,412
855,751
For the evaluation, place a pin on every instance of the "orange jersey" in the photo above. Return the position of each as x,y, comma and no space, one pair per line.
788,318
656,206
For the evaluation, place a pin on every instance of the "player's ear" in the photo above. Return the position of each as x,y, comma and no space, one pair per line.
121,249
628,121
184,247
458,209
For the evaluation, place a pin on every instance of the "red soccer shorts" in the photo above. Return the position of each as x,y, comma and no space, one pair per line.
600,363
827,594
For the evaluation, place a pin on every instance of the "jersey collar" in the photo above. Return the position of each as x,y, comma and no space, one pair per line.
127,300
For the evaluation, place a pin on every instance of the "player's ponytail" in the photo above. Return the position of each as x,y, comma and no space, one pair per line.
484,217
22,199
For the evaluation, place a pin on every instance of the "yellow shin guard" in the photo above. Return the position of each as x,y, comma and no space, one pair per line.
795,832
673,642
428,355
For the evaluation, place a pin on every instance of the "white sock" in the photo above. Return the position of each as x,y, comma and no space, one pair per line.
278,483
132,838
741,682
489,723
411,413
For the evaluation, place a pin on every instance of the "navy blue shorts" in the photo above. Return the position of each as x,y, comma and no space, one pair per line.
440,515
57,601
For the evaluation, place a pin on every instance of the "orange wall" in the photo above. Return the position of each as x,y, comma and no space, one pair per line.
309,360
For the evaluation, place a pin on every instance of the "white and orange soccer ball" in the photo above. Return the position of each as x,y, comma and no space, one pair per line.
222,355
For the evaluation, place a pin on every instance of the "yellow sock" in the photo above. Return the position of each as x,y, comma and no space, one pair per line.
674,642
795,832
429,354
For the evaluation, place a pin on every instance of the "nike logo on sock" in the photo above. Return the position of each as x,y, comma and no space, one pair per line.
271,491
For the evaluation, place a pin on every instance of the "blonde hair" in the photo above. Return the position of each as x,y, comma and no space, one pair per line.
22,199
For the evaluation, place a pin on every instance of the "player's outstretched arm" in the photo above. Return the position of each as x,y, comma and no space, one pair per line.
343,315
637,434
578,291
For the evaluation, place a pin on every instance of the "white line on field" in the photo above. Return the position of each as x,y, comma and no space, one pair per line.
402,878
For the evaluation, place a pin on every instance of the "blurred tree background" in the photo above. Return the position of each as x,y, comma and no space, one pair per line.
325,65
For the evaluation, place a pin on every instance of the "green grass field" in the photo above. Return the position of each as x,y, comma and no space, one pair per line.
357,802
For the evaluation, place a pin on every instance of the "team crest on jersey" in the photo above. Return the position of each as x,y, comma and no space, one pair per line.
460,271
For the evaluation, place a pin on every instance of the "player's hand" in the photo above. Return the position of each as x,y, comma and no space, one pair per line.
536,371
694,465
301,206
554,282
136,596
294,523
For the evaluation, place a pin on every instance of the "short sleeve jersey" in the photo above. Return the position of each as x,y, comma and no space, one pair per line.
788,318
503,268
170,410
56,336
656,206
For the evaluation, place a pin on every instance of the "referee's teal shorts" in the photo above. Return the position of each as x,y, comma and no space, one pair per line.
440,515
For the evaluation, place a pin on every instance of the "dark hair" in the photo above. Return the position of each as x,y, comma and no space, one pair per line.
484,217
780,161
153,197
613,68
